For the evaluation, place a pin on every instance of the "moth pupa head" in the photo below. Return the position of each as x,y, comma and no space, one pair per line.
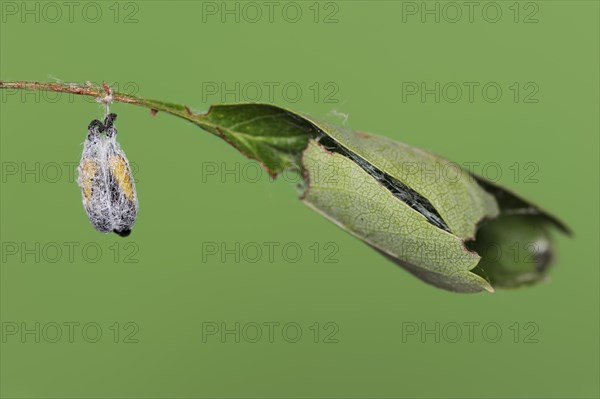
95,129
109,125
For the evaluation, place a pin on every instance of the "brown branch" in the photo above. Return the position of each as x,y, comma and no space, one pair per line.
101,91
87,89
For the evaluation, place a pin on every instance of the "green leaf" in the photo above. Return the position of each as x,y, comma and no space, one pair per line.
391,195
343,192
271,135
461,202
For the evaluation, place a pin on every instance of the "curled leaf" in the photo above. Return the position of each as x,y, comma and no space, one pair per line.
384,193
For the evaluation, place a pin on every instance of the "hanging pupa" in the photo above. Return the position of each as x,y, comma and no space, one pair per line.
106,181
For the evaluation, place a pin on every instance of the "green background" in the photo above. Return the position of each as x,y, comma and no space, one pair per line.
172,292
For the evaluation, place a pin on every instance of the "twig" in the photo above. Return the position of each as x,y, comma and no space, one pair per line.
100,91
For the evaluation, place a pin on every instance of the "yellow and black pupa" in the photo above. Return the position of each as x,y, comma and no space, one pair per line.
106,181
